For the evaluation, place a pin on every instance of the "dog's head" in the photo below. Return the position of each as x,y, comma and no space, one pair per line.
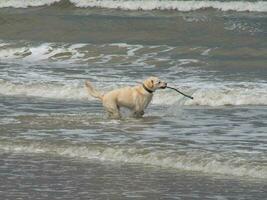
154,83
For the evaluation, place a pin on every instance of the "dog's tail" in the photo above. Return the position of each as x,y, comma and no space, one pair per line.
92,91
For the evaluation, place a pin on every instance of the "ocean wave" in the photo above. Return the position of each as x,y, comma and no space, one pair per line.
26,3
112,54
117,53
71,53
229,96
30,52
43,90
259,6
188,161
240,6
216,96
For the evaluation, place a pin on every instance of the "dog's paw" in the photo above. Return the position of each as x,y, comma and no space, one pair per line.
142,113
138,113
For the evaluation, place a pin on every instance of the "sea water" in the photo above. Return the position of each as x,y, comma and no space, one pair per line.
56,141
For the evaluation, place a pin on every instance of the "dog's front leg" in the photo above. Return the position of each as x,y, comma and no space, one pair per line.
138,113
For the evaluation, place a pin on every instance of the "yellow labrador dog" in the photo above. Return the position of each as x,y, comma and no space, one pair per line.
134,98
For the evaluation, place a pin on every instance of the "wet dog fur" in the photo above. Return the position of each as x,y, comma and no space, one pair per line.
134,98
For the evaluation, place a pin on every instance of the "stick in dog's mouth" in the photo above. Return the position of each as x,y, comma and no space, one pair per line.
181,92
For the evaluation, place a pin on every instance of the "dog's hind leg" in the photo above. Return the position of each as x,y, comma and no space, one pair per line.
112,109
113,113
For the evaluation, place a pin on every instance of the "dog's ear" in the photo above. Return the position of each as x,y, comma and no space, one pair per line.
150,83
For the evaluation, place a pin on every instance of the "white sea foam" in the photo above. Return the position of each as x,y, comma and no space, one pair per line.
61,51
25,3
189,161
202,97
12,53
44,51
258,6
148,56
215,95
43,90
229,96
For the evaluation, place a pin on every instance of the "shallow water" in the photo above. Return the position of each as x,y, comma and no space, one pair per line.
57,143
65,178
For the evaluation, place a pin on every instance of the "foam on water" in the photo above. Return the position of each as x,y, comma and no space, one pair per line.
189,161
215,96
26,79
38,52
29,51
25,3
43,90
229,96
117,54
257,6
62,52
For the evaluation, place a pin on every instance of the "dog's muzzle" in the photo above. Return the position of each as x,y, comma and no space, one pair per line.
164,86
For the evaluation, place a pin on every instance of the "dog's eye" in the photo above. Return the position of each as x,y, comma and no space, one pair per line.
159,82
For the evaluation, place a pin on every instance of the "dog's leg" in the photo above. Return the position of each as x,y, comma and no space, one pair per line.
114,114
112,109
138,113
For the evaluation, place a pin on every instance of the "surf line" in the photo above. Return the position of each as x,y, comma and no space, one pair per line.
190,97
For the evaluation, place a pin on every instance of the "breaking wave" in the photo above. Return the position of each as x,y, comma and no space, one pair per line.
202,96
44,51
188,161
42,90
32,82
115,53
256,6
26,4
80,52
259,6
